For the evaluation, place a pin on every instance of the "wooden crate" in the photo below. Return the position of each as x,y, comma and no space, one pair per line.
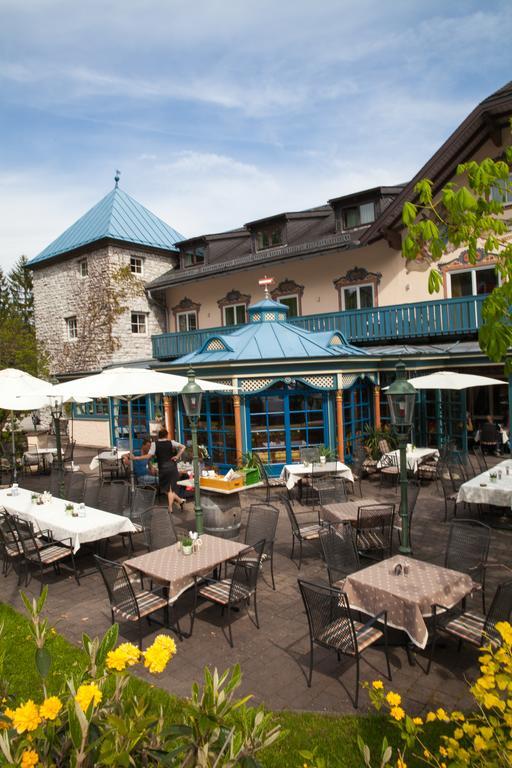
219,482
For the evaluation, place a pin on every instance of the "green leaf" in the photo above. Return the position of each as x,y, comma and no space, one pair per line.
43,661
409,213
435,281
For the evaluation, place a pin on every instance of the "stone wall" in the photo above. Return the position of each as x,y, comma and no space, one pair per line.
103,338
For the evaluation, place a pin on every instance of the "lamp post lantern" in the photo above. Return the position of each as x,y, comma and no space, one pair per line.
56,410
401,398
192,395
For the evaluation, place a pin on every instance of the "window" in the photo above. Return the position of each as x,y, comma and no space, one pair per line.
502,192
193,257
139,323
358,215
292,302
83,268
93,410
269,237
357,297
136,265
472,282
234,315
72,328
186,321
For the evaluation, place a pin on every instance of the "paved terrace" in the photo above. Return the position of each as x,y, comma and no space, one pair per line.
274,659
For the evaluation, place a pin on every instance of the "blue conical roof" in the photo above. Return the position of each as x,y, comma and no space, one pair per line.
118,217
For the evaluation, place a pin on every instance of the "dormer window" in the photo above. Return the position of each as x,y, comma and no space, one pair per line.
269,237
358,215
193,257
502,191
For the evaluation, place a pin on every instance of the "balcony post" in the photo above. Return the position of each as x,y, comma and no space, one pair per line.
376,405
339,424
169,416
238,430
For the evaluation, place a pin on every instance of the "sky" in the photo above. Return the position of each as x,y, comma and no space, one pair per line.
219,112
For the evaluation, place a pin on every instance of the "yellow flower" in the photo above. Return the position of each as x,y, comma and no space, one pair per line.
417,721
443,751
393,699
457,716
125,655
479,743
158,655
164,641
491,700
401,763
426,753
26,717
505,630
87,693
431,716
29,758
441,715
458,733
9,712
469,728
397,713
50,708
486,682
378,685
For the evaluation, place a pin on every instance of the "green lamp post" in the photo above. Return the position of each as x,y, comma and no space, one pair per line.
56,411
401,398
192,395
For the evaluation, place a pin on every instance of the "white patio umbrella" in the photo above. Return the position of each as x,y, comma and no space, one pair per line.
452,380
129,384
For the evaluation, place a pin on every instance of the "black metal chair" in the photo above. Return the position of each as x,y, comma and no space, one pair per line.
126,603
142,498
449,492
310,455
158,527
269,482
44,555
32,462
113,496
261,526
340,553
10,547
331,626
238,588
69,452
413,490
390,469
305,531
480,458
358,469
110,469
74,486
328,489
467,550
476,629
374,530
91,492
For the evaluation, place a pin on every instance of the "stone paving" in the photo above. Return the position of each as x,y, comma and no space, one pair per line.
274,659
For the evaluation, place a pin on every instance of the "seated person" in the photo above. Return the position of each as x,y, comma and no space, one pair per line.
490,435
144,473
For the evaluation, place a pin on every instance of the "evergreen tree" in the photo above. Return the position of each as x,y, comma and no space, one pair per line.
21,290
5,298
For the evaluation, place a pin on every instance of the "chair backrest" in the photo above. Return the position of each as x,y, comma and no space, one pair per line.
74,486
376,519
479,455
91,492
291,514
119,589
329,489
261,467
142,498
489,433
340,553
56,483
26,537
329,619
500,610
108,467
384,446
113,497
467,547
262,524
246,571
158,528
8,536
69,452
310,455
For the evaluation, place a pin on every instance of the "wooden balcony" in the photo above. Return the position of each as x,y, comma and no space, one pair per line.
440,319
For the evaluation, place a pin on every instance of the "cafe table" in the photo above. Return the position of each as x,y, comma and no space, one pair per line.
407,597
344,511
291,474
52,515
414,457
484,489
107,456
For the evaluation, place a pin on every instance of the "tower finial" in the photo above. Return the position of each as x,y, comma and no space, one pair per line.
266,281
117,177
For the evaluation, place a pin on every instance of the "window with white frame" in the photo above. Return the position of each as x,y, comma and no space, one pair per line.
72,328
502,191
193,257
292,302
269,237
358,215
186,321
139,323
136,265
234,314
472,282
357,297
83,268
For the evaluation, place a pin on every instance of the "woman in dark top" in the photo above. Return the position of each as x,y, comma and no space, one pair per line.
167,453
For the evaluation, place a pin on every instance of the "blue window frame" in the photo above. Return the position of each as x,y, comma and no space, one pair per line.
96,409
215,430
357,411
141,409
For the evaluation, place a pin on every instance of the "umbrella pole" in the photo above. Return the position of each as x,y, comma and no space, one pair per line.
13,441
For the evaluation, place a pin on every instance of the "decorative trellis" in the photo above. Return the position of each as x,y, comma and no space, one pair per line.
215,345
254,385
319,382
348,379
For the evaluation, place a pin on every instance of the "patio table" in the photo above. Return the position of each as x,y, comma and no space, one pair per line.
97,524
47,455
481,490
408,599
169,566
414,457
344,511
293,473
107,456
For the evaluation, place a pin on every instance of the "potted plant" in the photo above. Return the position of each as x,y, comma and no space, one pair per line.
326,454
186,545
250,469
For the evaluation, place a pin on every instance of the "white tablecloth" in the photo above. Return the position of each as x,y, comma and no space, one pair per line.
108,456
480,489
292,473
52,516
414,458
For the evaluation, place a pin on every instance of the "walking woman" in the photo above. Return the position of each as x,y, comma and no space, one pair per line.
167,453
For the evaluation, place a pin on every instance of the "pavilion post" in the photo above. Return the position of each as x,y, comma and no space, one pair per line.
339,425
238,430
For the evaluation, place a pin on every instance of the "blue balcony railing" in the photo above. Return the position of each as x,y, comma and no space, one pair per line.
396,323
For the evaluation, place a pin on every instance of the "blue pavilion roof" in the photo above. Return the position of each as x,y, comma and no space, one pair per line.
118,217
267,336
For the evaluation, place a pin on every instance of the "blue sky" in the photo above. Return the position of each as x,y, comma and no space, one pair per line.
218,112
